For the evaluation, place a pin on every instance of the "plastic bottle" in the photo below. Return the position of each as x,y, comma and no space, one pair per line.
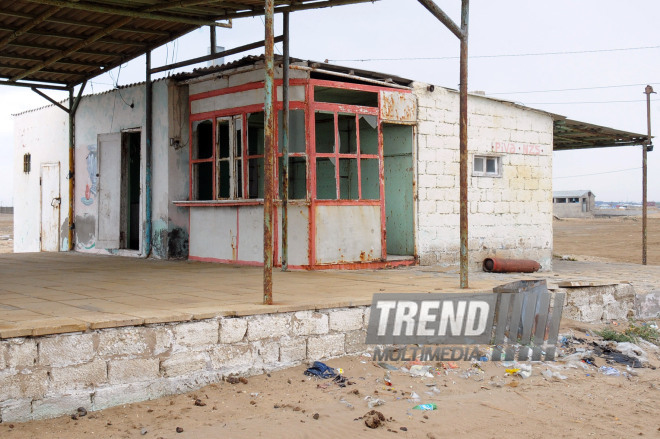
426,407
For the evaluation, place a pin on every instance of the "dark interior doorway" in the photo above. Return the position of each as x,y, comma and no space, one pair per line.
130,190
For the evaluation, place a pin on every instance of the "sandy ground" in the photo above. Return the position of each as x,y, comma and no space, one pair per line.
6,233
487,404
608,239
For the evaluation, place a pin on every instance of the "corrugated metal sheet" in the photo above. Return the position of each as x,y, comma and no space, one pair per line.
66,42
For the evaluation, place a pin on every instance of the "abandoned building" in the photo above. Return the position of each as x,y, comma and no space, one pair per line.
573,204
372,182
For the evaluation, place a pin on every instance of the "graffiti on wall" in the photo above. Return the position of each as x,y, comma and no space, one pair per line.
93,171
517,148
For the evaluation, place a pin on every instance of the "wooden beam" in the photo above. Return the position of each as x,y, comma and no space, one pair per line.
298,7
55,48
33,59
132,13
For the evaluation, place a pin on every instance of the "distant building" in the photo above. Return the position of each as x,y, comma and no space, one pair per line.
573,204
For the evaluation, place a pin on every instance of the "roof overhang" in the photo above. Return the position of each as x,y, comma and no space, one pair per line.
573,134
62,43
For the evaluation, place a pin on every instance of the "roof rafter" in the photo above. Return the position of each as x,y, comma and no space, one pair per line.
78,37
27,26
132,13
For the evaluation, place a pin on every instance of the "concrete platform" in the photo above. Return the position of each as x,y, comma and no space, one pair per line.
51,293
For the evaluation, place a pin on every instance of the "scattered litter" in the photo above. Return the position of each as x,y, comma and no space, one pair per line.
426,407
414,397
421,371
346,403
609,371
512,371
548,374
373,402
387,366
320,370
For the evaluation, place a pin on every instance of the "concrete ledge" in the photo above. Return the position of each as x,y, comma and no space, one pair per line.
52,375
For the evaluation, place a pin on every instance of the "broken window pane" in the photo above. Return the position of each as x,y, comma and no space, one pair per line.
256,178
343,96
202,140
368,134
347,134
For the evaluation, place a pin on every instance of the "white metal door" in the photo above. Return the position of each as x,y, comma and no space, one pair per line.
50,207
109,195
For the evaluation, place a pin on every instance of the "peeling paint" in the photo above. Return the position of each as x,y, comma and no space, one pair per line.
86,230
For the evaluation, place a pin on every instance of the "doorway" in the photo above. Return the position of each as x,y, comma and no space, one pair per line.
399,207
119,189
50,207
129,235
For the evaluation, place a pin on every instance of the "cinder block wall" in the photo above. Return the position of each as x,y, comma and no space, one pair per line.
509,216
49,376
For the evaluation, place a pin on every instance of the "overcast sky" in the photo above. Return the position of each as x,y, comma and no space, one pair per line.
520,50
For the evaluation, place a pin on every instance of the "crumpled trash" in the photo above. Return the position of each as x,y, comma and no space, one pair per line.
373,402
609,371
633,351
414,397
387,366
549,375
426,407
420,371
320,370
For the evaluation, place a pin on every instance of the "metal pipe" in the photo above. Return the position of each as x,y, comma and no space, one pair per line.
214,56
648,90
72,169
268,154
285,147
463,138
148,150
73,107
32,84
213,40
499,265
51,100
348,75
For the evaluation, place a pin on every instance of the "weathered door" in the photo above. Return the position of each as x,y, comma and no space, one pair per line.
109,213
50,207
399,208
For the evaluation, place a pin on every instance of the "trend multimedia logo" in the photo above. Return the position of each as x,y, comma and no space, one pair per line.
503,319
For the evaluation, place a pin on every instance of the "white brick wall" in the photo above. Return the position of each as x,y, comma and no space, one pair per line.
509,216
53,375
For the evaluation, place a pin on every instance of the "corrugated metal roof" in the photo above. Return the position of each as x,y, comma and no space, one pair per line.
66,42
571,194
573,134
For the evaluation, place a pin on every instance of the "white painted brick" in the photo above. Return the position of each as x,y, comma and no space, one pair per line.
60,405
125,394
235,357
16,410
232,330
21,353
122,341
196,335
267,351
184,363
25,384
293,350
346,319
355,342
133,370
163,338
309,323
64,350
84,375
325,346
268,326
